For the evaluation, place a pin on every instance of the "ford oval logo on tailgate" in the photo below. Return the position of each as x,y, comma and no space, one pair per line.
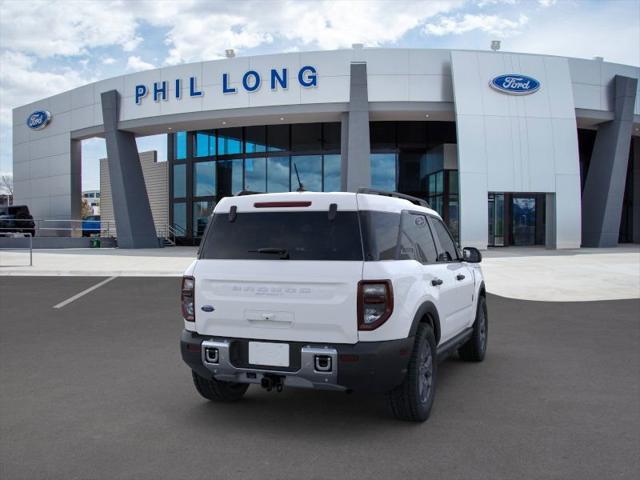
515,84
38,120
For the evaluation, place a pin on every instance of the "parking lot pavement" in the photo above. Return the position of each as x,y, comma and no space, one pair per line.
96,389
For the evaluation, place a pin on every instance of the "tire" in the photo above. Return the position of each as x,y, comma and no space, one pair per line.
475,348
217,391
413,398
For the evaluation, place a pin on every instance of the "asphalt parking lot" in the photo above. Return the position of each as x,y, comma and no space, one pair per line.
97,390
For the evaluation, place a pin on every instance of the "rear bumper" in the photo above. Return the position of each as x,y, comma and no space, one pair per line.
363,367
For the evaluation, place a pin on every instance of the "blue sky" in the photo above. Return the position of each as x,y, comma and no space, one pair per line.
47,47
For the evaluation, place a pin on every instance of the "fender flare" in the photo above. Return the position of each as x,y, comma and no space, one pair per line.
429,310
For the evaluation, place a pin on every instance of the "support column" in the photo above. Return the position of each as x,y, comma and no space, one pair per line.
356,164
134,222
550,237
604,187
635,205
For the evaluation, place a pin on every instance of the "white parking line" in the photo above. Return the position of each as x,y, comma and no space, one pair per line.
83,293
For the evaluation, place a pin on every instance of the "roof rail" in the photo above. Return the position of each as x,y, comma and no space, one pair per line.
242,193
414,200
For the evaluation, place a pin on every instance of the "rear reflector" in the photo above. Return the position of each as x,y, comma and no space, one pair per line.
281,204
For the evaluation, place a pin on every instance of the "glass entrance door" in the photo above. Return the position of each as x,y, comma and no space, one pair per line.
496,220
523,214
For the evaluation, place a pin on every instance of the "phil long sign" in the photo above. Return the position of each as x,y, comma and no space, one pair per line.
515,84
251,81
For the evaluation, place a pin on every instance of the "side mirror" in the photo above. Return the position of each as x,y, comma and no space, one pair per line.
471,255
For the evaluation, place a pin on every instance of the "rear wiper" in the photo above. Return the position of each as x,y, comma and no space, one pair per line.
284,254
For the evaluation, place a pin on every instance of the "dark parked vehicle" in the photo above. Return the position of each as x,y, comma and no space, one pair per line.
91,225
16,219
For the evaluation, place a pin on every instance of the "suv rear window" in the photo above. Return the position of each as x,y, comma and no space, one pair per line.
302,235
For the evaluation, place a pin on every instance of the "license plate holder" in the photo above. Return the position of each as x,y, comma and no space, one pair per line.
269,353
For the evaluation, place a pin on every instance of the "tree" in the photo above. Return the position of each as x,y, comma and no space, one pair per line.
86,209
6,184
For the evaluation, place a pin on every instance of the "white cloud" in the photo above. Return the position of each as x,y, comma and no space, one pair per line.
491,24
108,61
47,29
547,3
135,64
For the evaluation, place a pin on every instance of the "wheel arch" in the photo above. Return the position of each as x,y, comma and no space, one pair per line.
427,313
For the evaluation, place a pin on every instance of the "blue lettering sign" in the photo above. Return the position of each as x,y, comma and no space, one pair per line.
251,86
310,79
515,84
225,84
157,90
141,92
275,77
192,88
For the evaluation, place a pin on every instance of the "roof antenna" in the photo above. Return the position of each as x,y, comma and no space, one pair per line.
300,185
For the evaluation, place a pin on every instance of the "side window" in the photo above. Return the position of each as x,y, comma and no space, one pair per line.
416,242
380,234
449,250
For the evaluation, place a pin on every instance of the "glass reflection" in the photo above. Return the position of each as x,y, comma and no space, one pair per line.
204,179
310,171
201,212
383,171
332,173
179,181
255,174
277,174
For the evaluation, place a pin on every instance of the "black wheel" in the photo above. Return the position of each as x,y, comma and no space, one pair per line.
476,347
412,399
216,391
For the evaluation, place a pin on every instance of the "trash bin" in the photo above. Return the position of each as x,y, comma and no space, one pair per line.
94,243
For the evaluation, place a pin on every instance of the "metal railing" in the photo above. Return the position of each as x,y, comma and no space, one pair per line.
172,232
57,228
16,236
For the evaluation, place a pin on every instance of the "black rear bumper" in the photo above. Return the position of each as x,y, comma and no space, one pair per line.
362,367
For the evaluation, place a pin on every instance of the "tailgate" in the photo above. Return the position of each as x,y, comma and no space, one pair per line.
307,301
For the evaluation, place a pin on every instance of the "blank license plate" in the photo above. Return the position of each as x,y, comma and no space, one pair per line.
274,354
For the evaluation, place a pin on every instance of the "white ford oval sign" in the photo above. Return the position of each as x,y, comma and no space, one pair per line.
38,120
515,84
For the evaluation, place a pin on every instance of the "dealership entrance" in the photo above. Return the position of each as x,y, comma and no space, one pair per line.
516,219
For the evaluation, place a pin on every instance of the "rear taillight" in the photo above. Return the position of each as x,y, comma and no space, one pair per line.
187,298
375,303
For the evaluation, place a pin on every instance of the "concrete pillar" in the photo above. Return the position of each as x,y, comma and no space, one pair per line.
604,187
550,234
131,209
356,163
636,189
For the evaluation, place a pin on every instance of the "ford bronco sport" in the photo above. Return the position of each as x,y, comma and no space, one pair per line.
344,291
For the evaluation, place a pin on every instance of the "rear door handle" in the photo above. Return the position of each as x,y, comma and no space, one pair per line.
460,277
436,281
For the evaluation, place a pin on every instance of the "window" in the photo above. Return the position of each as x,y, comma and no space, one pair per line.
277,174
449,249
229,177
310,171
205,144
306,137
201,212
380,235
331,136
179,181
416,242
255,139
383,171
180,217
204,179
180,145
278,138
230,141
255,174
300,235
332,165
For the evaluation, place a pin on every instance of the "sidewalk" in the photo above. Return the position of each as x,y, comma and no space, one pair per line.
522,273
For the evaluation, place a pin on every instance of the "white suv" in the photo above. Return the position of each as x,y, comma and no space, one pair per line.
338,291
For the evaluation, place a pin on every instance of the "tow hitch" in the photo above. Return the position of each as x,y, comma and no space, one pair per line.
269,382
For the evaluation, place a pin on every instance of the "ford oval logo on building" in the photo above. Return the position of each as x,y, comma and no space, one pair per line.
38,120
515,84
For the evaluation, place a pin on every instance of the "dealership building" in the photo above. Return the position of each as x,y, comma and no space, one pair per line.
511,149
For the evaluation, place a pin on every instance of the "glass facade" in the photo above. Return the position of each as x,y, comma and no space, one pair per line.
208,165
211,164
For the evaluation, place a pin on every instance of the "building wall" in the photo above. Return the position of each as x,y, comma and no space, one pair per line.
156,179
509,143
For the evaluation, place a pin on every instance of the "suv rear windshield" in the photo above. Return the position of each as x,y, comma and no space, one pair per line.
278,235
